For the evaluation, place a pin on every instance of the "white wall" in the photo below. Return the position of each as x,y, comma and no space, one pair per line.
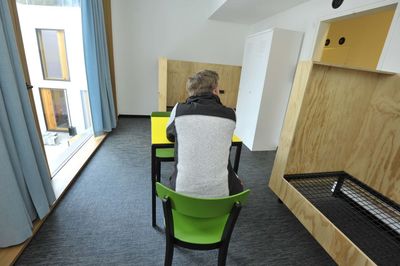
144,30
306,17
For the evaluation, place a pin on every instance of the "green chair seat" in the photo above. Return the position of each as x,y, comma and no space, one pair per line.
165,153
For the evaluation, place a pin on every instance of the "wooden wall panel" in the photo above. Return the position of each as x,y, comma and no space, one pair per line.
376,152
330,120
162,83
48,108
314,87
289,124
179,71
365,36
335,243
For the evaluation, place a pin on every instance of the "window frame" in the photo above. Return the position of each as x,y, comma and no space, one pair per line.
62,53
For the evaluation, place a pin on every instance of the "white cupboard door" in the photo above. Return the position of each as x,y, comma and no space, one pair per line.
255,60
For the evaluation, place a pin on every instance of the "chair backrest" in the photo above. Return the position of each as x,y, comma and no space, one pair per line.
160,114
199,207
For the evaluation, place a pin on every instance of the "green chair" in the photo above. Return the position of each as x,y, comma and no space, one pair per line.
198,223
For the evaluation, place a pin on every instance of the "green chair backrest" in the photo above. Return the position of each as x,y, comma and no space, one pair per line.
160,114
199,207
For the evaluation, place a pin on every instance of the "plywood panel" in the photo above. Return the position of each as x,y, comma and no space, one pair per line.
336,244
162,83
48,108
311,80
339,119
369,43
179,71
289,125
365,36
330,119
376,152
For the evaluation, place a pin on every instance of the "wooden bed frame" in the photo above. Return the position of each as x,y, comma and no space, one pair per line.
339,120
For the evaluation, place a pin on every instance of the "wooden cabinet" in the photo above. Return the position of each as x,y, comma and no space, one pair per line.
269,63
360,41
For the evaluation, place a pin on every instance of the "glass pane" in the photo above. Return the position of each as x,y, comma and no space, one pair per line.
55,109
60,108
61,99
53,55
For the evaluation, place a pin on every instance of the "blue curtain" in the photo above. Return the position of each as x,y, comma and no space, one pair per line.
97,66
25,189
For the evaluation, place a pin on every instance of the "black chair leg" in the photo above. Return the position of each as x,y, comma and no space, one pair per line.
169,231
169,253
153,201
223,252
158,170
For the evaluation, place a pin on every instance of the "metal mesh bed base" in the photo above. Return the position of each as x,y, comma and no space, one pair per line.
370,220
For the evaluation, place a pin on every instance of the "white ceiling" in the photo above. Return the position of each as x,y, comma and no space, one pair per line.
251,11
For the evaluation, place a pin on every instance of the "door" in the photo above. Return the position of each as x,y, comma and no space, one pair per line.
50,37
20,46
252,79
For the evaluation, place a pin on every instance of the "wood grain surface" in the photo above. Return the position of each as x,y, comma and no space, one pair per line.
331,116
289,124
162,84
375,159
339,119
179,71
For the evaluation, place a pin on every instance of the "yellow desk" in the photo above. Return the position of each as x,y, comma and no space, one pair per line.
159,140
159,136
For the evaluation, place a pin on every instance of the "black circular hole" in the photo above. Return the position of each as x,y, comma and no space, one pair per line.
342,40
327,42
337,3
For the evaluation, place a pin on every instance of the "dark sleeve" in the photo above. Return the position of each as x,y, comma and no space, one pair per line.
171,132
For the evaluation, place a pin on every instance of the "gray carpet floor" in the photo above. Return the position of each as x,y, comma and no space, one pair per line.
105,217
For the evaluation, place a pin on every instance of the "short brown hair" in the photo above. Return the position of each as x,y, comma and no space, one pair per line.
202,82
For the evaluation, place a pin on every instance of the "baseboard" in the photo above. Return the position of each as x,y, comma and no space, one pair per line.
133,116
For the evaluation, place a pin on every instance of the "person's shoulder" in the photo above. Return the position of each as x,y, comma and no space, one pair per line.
227,112
182,108
228,109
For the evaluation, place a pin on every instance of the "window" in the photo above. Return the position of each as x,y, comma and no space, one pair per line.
55,109
53,54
